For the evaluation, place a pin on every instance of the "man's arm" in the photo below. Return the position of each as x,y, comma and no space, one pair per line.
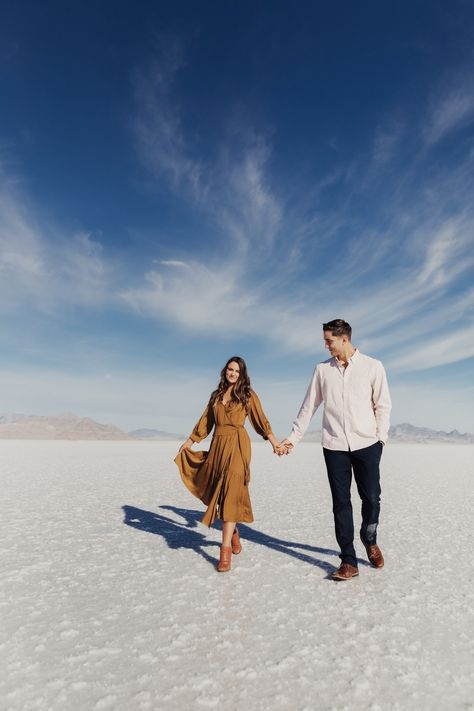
311,402
382,403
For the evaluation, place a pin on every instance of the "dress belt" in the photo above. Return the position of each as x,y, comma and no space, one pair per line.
227,429
239,431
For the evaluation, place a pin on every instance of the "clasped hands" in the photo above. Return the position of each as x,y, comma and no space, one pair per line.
283,447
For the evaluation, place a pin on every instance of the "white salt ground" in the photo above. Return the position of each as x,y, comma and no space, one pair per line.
110,599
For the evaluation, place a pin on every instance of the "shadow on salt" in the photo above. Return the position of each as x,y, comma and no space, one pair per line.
183,534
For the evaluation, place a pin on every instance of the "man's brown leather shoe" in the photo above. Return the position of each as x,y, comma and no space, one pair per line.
346,571
374,554
225,560
236,545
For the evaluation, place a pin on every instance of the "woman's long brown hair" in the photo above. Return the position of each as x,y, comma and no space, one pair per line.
241,390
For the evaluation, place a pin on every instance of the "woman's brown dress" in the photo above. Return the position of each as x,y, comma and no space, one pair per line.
220,477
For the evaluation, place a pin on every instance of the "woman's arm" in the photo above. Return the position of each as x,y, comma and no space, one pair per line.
202,428
258,419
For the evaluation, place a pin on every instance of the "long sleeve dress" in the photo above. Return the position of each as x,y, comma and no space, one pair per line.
220,477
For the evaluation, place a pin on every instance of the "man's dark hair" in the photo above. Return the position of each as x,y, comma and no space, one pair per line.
338,327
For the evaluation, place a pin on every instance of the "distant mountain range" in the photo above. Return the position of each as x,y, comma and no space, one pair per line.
71,427
409,433
65,426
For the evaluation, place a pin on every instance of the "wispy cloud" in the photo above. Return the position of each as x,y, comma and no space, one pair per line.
244,205
40,267
157,125
452,112
232,188
425,294
189,294
174,263
20,250
449,253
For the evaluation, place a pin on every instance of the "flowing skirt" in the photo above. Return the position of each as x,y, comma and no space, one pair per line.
218,479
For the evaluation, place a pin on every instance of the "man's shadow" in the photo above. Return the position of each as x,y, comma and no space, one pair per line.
182,535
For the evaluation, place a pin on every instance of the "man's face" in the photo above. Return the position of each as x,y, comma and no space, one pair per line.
334,344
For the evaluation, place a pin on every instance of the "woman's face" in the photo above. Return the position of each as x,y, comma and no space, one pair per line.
232,372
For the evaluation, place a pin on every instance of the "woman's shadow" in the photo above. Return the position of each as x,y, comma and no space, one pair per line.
182,534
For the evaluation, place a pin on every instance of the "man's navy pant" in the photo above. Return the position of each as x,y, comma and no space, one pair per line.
365,465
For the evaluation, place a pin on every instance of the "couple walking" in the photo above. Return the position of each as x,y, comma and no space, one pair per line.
354,390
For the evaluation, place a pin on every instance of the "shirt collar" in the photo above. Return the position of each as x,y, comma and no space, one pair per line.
354,356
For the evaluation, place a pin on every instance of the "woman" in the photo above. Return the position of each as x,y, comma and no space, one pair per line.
221,476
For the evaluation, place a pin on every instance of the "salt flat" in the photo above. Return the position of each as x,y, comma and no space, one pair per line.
110,599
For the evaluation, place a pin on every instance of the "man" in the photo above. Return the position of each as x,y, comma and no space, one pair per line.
354,390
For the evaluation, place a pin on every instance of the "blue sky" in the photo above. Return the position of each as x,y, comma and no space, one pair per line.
181,182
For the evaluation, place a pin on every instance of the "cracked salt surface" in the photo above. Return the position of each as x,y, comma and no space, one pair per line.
110,599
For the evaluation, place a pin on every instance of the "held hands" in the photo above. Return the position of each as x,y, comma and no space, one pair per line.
283,447
277,446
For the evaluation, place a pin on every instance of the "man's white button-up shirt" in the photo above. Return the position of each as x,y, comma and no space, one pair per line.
356,403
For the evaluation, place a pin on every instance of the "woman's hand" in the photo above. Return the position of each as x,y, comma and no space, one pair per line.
277,449
186,445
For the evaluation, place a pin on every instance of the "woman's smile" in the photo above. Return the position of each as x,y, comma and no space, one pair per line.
232,372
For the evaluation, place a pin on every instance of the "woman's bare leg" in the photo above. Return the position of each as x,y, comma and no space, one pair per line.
227,531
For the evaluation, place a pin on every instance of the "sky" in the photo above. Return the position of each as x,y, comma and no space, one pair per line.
181,182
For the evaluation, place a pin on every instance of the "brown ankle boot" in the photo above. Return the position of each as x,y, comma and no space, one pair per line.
225,559
236,545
